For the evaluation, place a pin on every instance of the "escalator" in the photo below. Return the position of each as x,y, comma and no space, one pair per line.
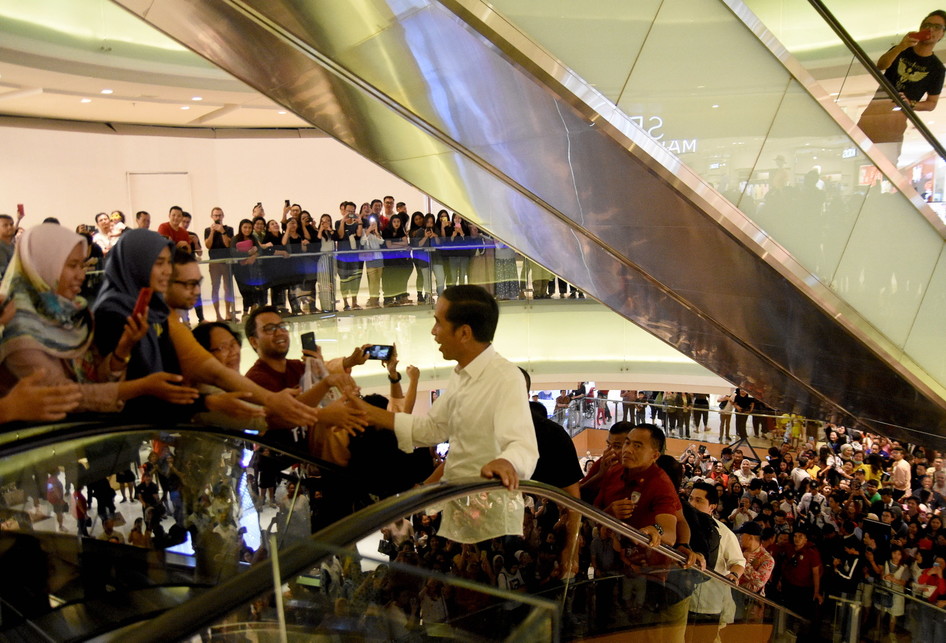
61,587
824,300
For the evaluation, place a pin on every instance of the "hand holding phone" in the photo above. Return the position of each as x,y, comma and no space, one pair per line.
308,342
141,304
379,351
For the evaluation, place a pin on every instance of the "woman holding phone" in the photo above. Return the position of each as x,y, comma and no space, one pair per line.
50,336
142,259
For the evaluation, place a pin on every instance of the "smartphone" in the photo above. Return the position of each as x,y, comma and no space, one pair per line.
702,449
308,342
19,210
287,203
379,351
144,298
885,476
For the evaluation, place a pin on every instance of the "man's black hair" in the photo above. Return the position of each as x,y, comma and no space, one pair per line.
621,427
6,217
472,306
139,214
374,399
525,374
712,496
373,201
657,436
182,257
51,220
249,326
175,207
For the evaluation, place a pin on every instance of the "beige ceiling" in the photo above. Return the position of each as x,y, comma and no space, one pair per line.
57,57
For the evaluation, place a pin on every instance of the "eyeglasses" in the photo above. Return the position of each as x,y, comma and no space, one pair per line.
269,329
229,347
933,25
192,284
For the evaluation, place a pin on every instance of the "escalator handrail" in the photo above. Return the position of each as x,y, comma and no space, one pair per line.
40,436
871,68
185,620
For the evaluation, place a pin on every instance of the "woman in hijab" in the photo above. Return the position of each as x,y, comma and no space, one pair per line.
141,259
52,330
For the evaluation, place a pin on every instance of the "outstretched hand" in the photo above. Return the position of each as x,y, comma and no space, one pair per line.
31,401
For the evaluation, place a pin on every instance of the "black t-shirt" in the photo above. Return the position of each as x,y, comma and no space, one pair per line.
217,248
558,460
148,493
916,75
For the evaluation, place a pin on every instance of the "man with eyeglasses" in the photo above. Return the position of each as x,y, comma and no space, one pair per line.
269,336
915,72
181,295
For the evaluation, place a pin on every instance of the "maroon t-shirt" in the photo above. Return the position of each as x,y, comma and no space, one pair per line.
658,495
273,380
799,564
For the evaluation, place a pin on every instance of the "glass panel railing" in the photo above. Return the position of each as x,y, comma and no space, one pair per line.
360,596
596,571
896,607
121,523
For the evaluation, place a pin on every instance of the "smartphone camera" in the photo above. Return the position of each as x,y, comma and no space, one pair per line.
379,351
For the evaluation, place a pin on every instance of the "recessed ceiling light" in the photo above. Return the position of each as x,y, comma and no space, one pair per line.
185,107
86,100
197,98
107,91
281,112
715,106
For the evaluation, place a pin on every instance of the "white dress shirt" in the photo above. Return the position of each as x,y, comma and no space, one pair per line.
712,597
484,414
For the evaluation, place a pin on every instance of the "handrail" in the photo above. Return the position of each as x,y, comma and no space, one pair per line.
20,440
871,68
201,611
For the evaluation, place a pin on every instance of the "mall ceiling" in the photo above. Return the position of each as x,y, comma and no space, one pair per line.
90,60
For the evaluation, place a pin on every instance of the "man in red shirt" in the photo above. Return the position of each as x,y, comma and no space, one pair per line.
174,229
801,574
640,493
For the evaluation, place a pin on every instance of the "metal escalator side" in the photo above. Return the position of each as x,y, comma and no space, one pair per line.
489,124
647,593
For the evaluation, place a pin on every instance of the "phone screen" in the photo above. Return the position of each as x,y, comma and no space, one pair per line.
308,342
379,351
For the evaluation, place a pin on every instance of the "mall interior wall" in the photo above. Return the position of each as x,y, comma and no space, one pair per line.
73,171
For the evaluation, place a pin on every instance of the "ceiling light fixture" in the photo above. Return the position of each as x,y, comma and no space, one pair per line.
281,111
197,98
715,106
107,91
185,107
86,100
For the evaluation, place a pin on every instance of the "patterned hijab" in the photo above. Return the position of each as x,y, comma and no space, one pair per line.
44,320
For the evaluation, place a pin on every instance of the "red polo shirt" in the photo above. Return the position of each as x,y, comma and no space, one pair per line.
657,494
165,230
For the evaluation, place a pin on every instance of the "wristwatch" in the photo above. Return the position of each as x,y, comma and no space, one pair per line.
660,530
394,381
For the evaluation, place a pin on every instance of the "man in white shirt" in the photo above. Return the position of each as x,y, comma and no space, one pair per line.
711,598
899,474
483,415
800,472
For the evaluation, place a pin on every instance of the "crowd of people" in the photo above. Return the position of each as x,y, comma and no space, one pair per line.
301,265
